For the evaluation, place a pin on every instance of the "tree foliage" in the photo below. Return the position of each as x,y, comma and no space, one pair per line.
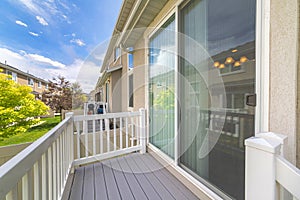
78,96
18,107
59,95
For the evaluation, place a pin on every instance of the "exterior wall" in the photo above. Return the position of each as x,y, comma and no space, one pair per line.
124,92
139,83
23,79
283,71
116,86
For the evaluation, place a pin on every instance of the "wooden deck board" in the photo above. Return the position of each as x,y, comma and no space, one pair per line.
88,183
77,186
100,185
134,176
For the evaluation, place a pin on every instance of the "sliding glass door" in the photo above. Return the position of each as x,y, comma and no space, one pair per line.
162,87
212,137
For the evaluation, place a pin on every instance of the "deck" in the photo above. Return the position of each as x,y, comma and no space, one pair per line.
134,176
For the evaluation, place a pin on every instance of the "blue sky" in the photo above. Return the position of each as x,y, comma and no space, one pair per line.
57,37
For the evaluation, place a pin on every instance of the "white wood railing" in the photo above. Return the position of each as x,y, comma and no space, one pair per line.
269,175
103,136
41,170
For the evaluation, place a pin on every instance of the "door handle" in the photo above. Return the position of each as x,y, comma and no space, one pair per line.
251,100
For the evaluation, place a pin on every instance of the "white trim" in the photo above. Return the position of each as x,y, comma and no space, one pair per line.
207,191
262,65
136,6
164,19
176,79
114,69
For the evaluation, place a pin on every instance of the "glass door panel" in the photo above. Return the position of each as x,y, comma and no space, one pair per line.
224,30
162,87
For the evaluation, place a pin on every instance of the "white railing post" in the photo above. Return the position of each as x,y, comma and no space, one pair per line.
260,168
142,130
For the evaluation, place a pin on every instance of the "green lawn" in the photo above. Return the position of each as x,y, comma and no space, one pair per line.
33,133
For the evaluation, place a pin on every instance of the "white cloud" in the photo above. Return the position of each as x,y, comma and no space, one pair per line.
21,23
45,60
33,34
42,21
49,10
73,34
84,72
79,42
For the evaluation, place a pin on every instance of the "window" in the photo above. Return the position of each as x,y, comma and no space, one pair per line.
13,75
47,86
161,87
130,90
39,84
117,53
30,81
130,58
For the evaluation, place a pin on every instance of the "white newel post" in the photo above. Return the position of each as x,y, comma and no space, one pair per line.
260,168
142,130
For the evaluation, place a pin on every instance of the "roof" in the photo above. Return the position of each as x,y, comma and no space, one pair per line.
133,15
13,69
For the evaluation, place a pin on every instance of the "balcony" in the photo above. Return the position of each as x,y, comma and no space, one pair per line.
104,157
91,157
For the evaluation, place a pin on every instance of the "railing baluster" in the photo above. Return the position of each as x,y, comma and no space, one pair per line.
126,127
137,130
61,164
94,137
86,143
101,135
57,167
54,172
132,131
78,140
115,135
121,133
36,180
108,135
44,177
50,177
25,187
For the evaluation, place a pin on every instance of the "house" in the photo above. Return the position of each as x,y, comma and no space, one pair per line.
226,69
38,85
189,83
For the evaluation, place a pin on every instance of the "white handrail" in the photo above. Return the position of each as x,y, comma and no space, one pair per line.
42,169
20,167
288,176
107,135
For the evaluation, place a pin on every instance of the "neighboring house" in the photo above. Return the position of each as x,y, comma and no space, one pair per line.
234,67
38,85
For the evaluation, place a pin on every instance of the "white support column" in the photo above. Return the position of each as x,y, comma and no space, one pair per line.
260,172
142,130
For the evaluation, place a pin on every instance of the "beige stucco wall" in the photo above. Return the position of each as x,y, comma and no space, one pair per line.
116,94
283,71
139,76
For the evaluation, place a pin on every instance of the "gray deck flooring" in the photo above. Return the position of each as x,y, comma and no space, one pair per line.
134,176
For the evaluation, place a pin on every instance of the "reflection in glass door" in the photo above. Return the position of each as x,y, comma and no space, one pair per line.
226,30
162,87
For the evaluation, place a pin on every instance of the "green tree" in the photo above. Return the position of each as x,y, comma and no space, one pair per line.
18,107
78,97
59,94
165,99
